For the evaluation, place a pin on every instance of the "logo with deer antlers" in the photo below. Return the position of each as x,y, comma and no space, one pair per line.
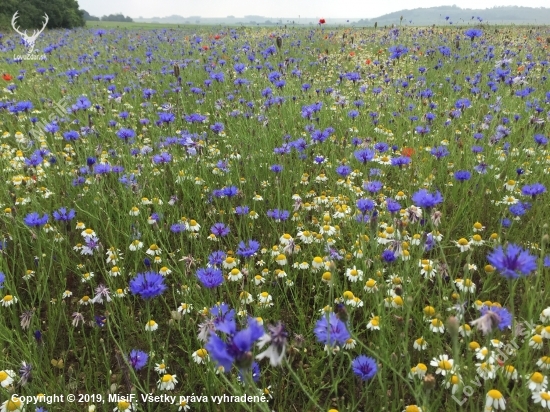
29,39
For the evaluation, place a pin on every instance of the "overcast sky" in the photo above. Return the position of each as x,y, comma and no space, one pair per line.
353,9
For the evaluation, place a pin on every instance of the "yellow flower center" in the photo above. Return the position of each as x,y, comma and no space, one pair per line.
202,353
371,283
235,272
545,396
3,376
348,295
327,276
429,311
317,259
167,378
8,298
151,323
445,364
493,393
123,405
13,404
353,272
537,377
462,241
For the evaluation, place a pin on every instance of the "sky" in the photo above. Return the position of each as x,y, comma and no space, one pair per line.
352,9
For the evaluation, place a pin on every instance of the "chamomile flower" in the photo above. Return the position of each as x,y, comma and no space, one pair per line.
200,356
454,381
350,343
374,323
151,326
12,404
420,344
153,250
465,285
6,377
494,400
486,370
135,245
542,397
167,382
419,371
354,274
536,341
510,372
235,275
545,315
265,299
412,408
544,363
370,286
124,405
317,263
536,382
161,367
443,364
229,263
462,244
185,308
9,300
436,326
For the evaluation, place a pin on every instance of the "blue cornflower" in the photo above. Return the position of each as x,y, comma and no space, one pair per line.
138,359
248,251
533,190
217,257
364,155
519,209
545,263
343,170
382,147
331,331
2,279
392,206
230,191
398,51
388,255
178,228
365,205
423,198
506,222
473,33
513,261
237,346
34,219
439,152
126,134
62,214
148,285
540,139
491,317
210,277
71,135
462,175
278,215
217,127
102,168
365,367
400,161
373,186
276,168
162,158
242,210
219,229
319,159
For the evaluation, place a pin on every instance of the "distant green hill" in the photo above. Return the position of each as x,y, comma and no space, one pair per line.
455,15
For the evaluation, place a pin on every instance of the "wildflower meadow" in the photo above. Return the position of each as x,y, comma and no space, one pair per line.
275,219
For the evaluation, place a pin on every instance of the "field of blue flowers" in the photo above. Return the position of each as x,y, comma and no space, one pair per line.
324,219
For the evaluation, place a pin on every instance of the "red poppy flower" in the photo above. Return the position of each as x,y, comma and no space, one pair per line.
205,47
407,151
7,77
322,21
217,36
368,61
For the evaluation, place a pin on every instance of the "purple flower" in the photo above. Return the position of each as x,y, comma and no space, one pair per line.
462,175
343,170
248,251
364,155
210,277
439,152
148,285
392,206
138,359
533,190
34,220
178,228
219,229
217,257
276,168
373,186
423,198
278,215
63,215
388,256
237,346
331,331
491,318
126,134
242,210
365,367
365,205
513,261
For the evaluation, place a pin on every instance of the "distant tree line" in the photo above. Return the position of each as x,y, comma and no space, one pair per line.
61,13
117,17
